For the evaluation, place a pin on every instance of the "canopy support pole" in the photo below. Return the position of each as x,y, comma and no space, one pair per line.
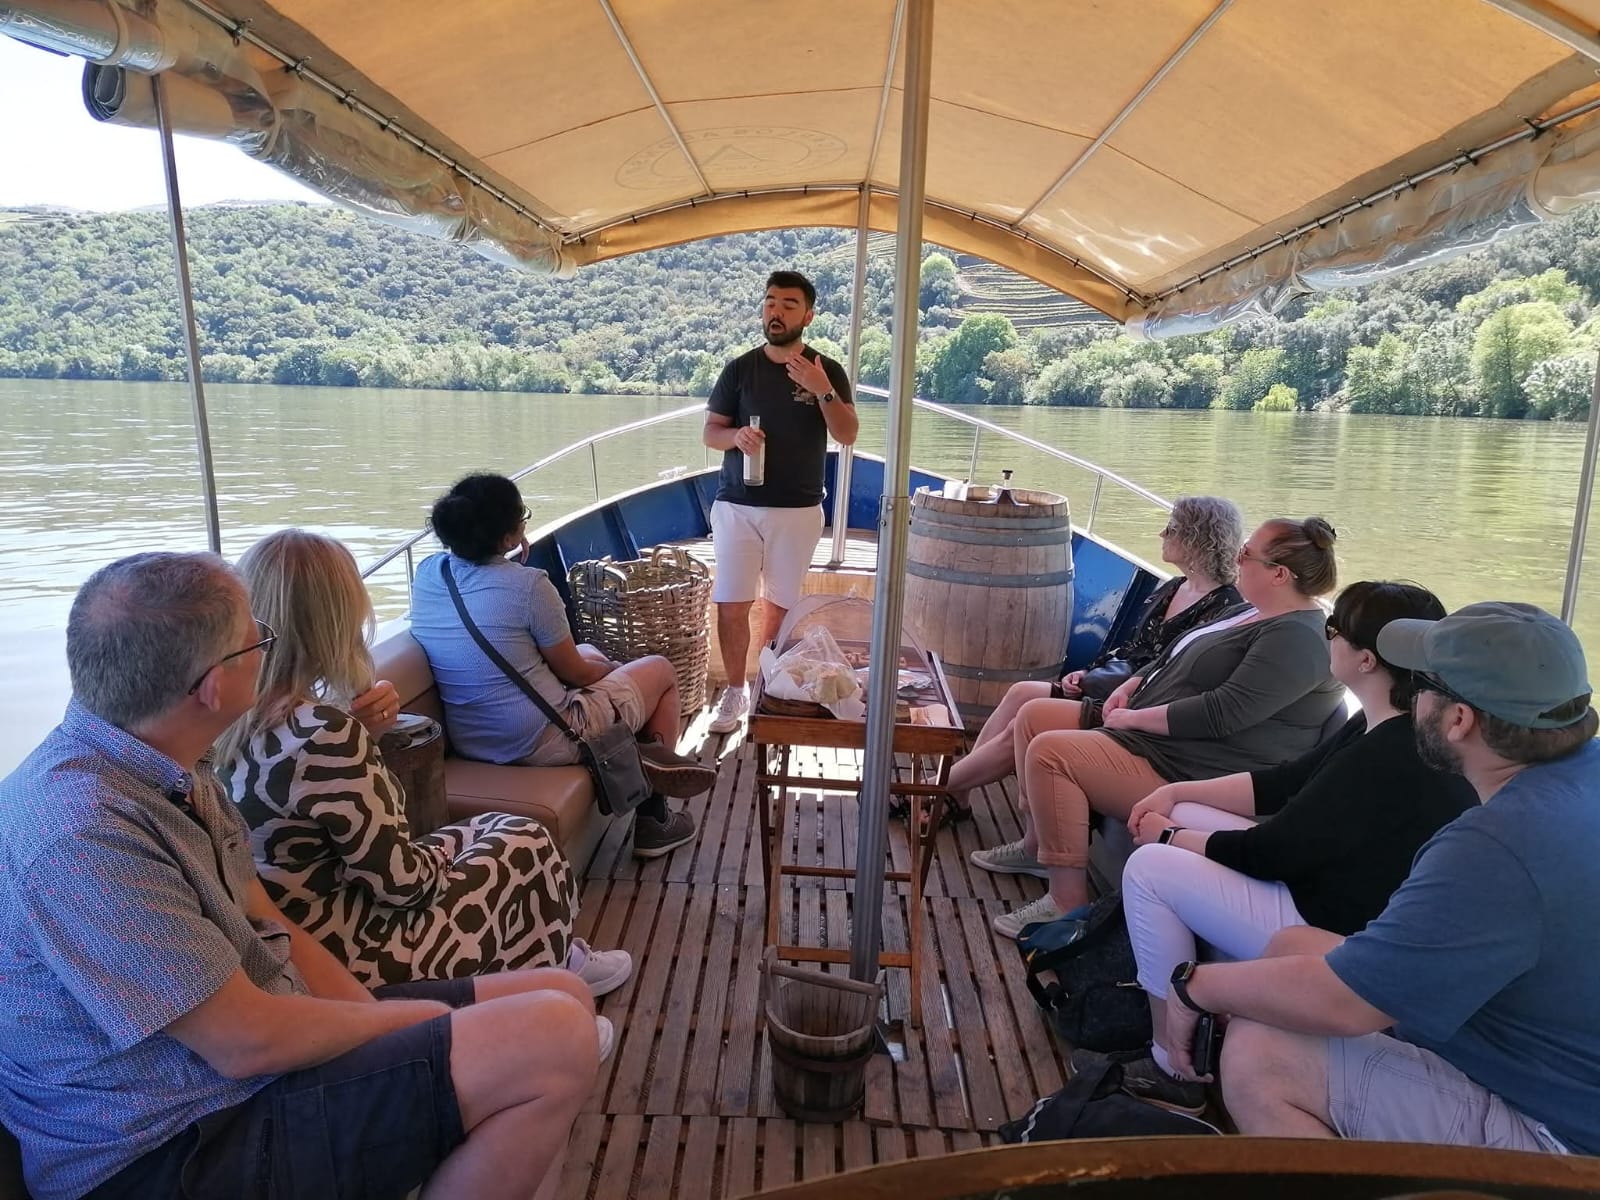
894,513
847,455
1580,518
191,337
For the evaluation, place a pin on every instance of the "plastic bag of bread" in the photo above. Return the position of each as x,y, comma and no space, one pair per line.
814,669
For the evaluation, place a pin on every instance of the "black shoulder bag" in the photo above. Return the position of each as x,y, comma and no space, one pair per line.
611,755
1093,1106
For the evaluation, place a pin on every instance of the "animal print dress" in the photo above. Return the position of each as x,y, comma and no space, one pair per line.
328,831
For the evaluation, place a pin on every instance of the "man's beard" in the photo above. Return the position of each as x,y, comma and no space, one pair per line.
1432,748
784,338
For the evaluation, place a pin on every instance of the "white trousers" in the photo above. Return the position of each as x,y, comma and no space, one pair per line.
1174,898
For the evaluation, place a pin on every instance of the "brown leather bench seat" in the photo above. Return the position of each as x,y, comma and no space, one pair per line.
561,798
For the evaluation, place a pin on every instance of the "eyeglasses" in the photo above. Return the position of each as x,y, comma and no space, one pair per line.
527,514
1331,630
1432,683
265,644
1167,531
1246,554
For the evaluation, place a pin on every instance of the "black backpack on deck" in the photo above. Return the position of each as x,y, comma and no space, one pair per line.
1092,1106
1095,1000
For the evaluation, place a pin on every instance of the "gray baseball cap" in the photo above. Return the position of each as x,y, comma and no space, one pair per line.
1513,661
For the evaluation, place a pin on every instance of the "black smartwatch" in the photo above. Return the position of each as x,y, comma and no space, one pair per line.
1181,974
1166,835
826,396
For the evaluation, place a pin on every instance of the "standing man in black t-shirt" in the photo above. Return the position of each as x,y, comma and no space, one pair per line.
768,533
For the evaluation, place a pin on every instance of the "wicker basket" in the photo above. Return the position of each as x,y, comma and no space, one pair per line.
654,605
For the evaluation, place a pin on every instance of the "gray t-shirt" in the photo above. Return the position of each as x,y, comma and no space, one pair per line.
1489,954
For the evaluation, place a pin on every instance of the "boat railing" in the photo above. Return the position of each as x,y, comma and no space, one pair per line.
979,427
407,548
1102,476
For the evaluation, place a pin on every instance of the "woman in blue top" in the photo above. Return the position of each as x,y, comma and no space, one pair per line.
482,520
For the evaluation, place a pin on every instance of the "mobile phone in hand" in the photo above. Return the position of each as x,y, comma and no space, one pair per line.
1207,1045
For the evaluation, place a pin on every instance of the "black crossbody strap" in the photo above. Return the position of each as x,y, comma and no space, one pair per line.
499,660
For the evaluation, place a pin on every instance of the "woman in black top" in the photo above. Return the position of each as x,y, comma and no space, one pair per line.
1201,539
1342,825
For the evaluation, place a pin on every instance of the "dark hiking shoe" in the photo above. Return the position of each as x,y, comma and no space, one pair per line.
674,774
1143,1080
653,838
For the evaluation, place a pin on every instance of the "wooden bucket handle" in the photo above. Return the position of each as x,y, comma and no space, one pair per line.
772,968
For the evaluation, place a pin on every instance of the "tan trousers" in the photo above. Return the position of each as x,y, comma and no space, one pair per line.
1068,772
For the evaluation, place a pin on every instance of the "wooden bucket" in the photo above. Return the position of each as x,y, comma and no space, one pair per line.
414,752
820,1030
989,588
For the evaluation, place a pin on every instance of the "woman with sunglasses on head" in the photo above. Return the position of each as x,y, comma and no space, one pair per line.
1322,841
519,612
1250,690
327,818
1201,539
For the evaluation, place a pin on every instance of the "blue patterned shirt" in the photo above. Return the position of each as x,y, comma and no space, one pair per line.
123,885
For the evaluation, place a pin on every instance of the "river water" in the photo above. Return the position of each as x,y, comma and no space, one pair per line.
92,471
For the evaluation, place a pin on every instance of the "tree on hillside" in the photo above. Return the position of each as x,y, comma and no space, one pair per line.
1251,379
1561,388
957,376
1507,347
1280,397
940,286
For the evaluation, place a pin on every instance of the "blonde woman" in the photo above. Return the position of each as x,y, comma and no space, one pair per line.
327,818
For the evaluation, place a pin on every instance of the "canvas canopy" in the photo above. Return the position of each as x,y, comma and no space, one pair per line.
1171,162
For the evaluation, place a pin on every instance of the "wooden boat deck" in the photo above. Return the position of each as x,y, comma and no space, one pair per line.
685,1106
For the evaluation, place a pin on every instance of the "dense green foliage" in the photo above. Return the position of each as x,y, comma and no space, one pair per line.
314,295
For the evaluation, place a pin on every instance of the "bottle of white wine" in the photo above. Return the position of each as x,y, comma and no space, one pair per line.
755,465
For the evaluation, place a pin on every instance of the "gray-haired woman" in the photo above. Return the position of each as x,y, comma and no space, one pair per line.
1201,539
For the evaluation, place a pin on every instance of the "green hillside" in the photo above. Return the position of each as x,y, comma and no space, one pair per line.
297,294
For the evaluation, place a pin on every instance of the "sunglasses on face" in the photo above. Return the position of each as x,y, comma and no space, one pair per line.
527,514
1432,683
1246,554
266,636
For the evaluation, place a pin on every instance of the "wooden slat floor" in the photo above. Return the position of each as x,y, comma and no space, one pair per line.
685,1107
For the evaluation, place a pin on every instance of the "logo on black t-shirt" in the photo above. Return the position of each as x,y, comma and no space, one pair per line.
800,396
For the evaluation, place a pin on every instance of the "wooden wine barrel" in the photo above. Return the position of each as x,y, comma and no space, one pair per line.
989,588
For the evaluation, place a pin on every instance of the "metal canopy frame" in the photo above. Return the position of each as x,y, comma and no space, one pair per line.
894,513
1128,109
655,96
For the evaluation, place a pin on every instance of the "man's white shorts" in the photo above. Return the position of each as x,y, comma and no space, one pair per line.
770,545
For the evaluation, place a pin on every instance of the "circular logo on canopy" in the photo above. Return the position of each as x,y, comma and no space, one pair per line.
730,155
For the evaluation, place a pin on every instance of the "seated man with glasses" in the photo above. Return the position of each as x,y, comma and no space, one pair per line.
167,1031
1465,1013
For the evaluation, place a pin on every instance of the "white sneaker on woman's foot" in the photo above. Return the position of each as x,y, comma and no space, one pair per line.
1010,859
1043,909
603,970
731,710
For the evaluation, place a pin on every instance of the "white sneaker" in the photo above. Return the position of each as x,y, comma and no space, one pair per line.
1010,859
603,970
1043,909
731,711
608,1037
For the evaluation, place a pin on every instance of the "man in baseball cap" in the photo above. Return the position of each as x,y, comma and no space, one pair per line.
1465,1013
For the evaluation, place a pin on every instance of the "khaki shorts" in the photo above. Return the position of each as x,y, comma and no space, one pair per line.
1381,1089
766,547
616,698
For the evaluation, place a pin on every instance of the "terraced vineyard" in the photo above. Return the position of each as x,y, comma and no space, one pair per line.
988,288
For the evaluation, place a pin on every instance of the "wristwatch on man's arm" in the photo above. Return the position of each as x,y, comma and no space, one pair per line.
1181,974
830,394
